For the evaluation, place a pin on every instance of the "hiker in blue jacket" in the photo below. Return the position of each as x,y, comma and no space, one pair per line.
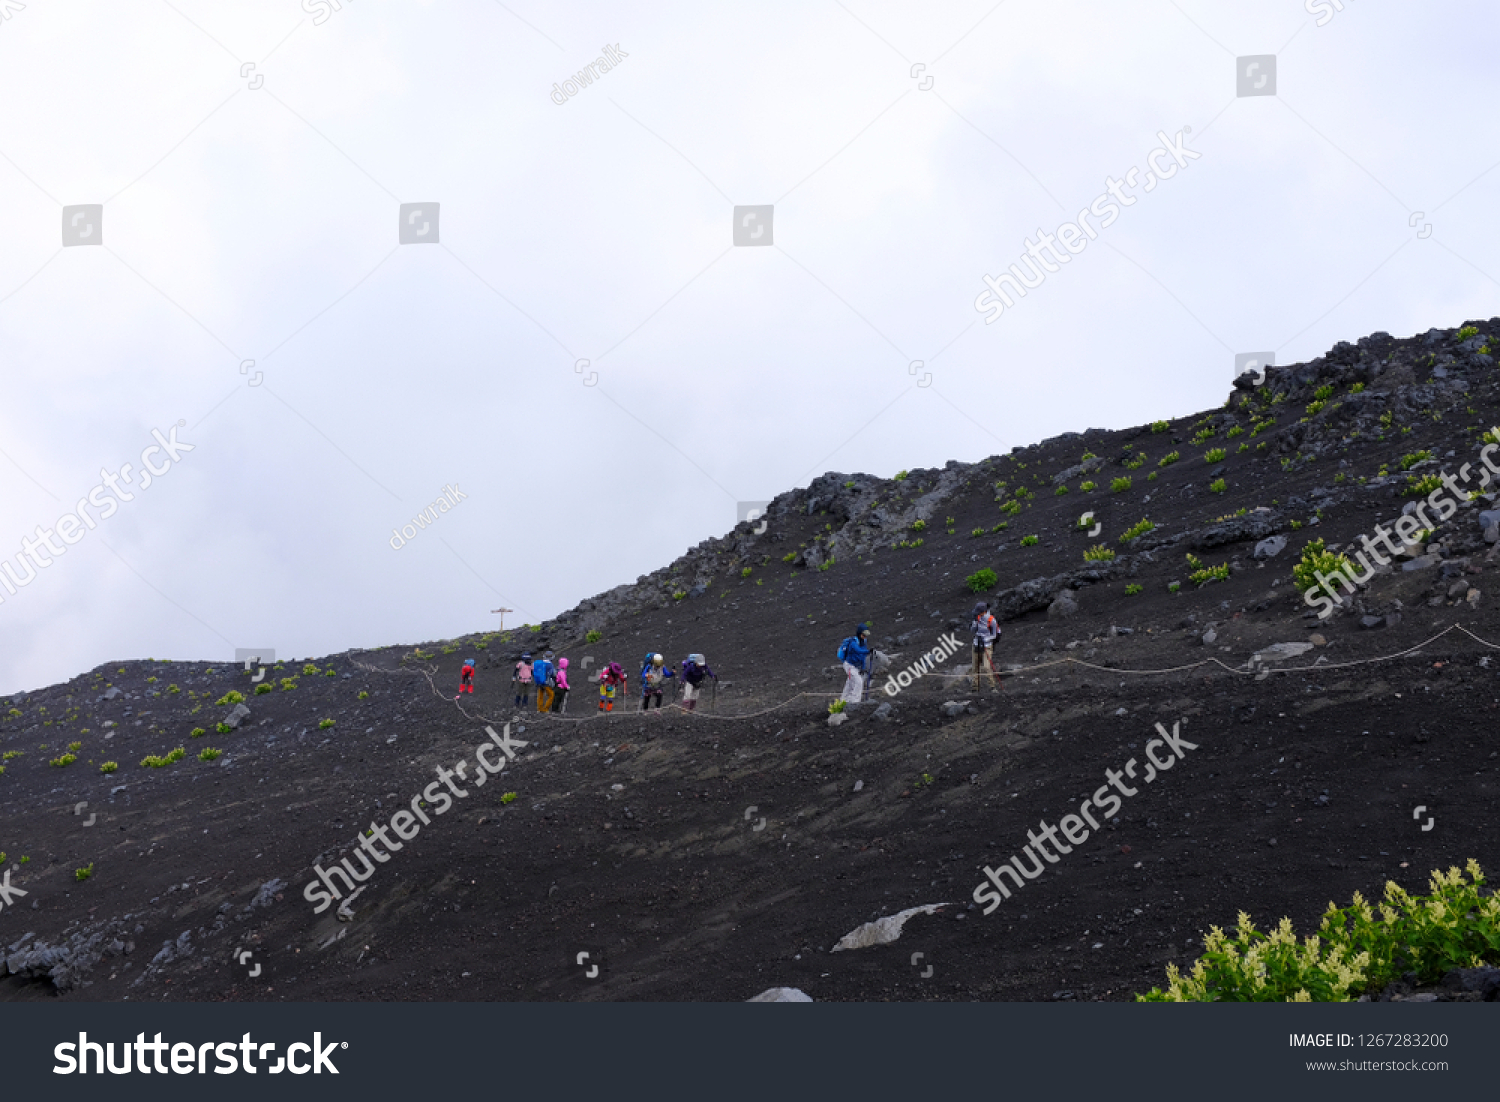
544,676
854,653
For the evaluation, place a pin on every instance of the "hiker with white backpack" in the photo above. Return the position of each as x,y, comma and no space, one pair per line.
694,671
854,653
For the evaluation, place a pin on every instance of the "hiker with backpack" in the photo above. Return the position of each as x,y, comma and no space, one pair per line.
611,678
694,671
466,678
985,631
854,653
654,674
520,680
562,685
544,676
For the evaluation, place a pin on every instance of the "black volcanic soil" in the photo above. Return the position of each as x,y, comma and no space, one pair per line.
632,837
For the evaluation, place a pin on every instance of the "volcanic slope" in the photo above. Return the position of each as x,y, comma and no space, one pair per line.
715,854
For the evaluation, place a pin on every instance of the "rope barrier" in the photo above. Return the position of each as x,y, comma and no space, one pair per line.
430,672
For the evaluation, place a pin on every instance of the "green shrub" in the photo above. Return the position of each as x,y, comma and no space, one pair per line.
836,707
1238,430
335,673
1354,952
1099,553
1028,541
1261,426
1466,332
509,796
363,695
1202,435
1214,455
1357,388
981,580
900,476
1120,485
197,732
84,873
1132,589
222,728
173,690
109,767
1168,459
1316,559
1173,587
745,573
1002,526
324,724
1161,426
976,533
1202,574
65,760
1218,486
1411,459
208,753
1423,486
290,683
1059,491
1135,531
233,696
263,688
919,526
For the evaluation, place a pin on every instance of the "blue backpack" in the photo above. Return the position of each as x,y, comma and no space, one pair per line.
846,649
541,672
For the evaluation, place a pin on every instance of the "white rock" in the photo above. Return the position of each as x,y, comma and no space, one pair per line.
781,995
1280,652
885,930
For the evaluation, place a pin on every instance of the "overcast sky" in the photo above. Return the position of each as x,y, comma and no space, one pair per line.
251,159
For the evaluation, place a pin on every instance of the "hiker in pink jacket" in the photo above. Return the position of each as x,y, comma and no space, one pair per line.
562,685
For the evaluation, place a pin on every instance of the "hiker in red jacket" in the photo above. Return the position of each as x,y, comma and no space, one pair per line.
611,678
466,679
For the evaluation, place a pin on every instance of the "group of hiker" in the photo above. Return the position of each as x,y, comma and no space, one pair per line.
857,655
549,676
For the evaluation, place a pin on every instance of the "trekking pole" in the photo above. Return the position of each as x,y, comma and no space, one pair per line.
713,705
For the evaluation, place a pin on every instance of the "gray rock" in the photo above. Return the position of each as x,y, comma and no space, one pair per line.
1255,526
883,712
1422,562
781,995
1280,652
111,692
237,715
1370,623
1458,589
1063,606
859,786
1488,518
1492,534
1270,547
837,718
954,708
1210,637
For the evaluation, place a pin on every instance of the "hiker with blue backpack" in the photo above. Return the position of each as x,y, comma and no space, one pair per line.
544,676
466,678
694,671
854,653
654,674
